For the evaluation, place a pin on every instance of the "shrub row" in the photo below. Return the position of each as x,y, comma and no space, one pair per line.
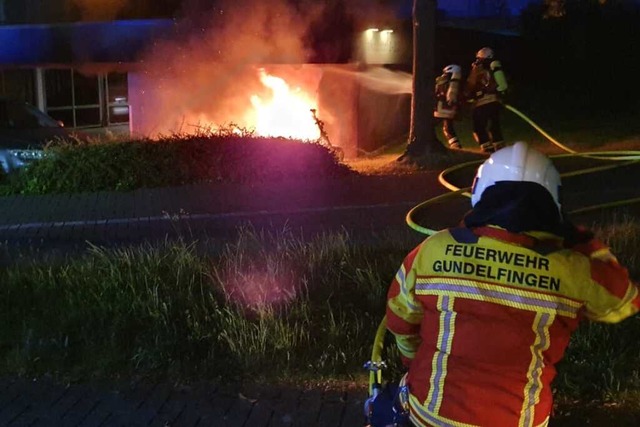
175,160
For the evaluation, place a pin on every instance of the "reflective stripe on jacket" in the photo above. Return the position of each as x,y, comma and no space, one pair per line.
482,316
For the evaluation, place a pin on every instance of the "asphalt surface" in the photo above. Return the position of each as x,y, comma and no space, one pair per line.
60,224
32,226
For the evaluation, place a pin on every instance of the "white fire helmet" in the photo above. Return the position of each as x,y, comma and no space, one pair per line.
517,162
485,53
452,68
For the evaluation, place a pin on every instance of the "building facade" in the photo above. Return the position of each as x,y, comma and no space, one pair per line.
77,72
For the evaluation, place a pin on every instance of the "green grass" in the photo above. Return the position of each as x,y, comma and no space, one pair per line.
269,307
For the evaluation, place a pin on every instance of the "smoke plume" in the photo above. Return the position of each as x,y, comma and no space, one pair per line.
207,74
99,10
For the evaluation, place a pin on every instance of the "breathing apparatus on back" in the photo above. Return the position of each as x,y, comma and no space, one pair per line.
485,59
448,91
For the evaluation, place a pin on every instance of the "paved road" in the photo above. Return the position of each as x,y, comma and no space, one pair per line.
215,211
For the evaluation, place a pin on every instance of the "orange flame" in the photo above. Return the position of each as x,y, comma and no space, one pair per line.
287,113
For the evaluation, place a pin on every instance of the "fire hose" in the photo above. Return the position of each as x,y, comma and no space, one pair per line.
621,158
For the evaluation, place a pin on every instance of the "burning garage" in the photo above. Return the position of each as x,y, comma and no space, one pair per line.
269,67
272,68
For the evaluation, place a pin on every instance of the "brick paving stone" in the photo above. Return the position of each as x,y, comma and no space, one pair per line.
190,415
170,411
218,406
285,407
138,393
205,412
332,409
5,383
237,413
261,414
258,400
9,394
62,406
107,404
13,410
151,405
308,409
38,394
80,411
24,403
354,408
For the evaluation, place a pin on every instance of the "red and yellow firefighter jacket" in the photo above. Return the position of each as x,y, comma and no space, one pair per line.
481,316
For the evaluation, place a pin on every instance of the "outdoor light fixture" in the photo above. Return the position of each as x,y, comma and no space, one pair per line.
369,34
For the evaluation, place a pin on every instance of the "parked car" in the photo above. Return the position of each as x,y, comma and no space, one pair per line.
24,131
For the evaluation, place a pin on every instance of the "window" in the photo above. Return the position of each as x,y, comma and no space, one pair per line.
73,98
117,98
18,84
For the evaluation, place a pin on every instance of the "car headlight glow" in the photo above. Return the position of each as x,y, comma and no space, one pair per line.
27,155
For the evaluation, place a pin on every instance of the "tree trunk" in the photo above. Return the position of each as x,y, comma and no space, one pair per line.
422,135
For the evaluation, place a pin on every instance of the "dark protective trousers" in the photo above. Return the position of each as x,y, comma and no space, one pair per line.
486,123
449,131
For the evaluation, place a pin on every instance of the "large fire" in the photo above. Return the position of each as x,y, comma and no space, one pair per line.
286,113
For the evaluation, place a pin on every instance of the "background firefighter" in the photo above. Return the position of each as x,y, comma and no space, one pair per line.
483,312
447,97
486,85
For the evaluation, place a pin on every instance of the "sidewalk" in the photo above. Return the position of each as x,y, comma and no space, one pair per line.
43,403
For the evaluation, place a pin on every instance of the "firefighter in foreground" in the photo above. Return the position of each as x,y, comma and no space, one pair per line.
482,313
485,88
447,97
